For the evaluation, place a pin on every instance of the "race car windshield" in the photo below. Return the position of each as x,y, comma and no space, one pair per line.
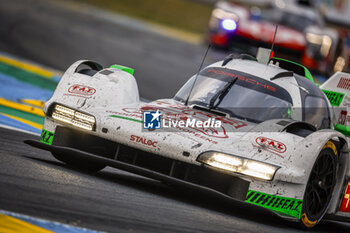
298,22
249,98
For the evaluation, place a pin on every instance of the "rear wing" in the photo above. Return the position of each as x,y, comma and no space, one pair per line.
337,89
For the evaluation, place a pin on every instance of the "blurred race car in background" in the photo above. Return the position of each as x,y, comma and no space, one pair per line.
302,35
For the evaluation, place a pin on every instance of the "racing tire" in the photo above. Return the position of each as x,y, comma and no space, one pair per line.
320,186
79,164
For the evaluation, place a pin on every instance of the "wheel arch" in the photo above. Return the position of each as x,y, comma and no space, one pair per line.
316,142
86,84
342,173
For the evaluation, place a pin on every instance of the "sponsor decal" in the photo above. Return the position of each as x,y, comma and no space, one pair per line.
46,137
344,83
342,117
345,205
268,143
144,141
248,80
81,90
285,205
335,98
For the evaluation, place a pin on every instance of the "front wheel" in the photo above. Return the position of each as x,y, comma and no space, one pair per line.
320,186
79,164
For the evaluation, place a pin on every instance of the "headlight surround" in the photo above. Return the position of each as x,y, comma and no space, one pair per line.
321,40
218,16
73,117
222,14
236,164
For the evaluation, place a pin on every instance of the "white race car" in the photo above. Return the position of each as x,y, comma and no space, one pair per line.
263,135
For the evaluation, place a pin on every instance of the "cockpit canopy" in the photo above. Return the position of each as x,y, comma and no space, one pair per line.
251,98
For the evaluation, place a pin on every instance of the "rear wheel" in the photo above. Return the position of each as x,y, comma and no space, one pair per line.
79,164
320,186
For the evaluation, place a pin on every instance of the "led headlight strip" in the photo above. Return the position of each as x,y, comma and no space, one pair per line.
237,164
73,117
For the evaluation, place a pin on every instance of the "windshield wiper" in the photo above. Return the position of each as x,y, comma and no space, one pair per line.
216,112
221,93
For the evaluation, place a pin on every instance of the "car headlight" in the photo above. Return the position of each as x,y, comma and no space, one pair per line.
70,116
229,24
238,164
223,19
322,40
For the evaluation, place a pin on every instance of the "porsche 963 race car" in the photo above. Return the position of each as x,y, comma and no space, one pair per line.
260,133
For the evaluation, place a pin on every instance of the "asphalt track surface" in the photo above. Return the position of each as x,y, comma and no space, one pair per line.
32,182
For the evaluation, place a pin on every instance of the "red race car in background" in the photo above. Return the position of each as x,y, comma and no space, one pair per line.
302,35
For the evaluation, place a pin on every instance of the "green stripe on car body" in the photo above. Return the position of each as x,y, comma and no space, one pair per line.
284,205
126,118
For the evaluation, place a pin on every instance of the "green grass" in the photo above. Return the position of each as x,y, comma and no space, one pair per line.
187,15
